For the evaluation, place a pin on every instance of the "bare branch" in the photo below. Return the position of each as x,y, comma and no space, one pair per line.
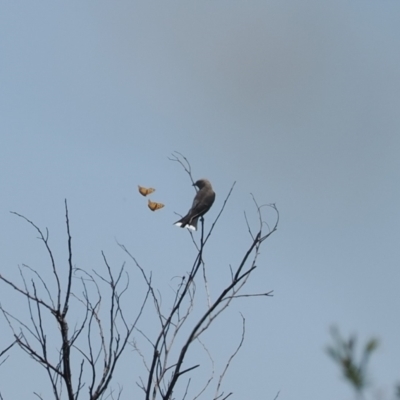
232,356
28,295
4,351
277,395
70,267
32,336
177,157
45,240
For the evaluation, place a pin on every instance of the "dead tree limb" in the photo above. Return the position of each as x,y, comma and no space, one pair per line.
113,331
166,368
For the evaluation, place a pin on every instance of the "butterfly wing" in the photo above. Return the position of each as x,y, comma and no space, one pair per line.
145,191
154,206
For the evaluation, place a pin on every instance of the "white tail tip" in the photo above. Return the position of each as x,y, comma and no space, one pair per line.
191,227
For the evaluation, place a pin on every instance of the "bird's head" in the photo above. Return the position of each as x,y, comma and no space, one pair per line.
202,183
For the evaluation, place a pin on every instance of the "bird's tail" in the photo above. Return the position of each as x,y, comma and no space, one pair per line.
186,222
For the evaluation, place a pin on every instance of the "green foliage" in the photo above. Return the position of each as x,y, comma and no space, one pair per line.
343,352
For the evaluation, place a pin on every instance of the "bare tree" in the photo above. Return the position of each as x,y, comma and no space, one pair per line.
106,338
165,369
93,347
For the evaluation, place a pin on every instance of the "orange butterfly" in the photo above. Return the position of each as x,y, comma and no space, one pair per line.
144,191
155,206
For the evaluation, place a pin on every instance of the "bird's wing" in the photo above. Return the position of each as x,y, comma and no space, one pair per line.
201,203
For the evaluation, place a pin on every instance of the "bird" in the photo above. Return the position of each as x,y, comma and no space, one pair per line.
202,202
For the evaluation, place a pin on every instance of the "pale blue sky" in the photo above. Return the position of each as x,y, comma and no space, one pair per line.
296,101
